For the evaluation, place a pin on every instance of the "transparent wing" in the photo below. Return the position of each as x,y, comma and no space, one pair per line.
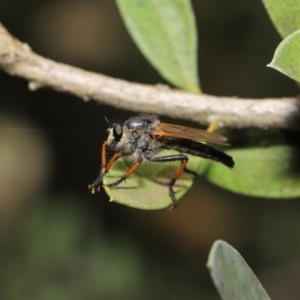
173,130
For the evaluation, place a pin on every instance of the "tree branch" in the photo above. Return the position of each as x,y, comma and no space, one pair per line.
17,59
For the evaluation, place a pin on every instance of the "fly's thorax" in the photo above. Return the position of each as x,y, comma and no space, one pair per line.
144,144
142,123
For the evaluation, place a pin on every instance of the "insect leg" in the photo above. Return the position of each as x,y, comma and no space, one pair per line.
95,186
184,160
186,170
213,127
128,173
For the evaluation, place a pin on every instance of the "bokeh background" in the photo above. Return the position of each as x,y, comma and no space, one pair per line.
57,241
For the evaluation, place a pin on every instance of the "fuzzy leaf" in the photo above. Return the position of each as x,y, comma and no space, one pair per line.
231,275
285,15
287,56
165,32
260,172
147,188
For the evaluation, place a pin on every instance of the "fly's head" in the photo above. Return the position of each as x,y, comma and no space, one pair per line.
119,139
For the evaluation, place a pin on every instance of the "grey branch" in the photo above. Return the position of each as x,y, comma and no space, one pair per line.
17,59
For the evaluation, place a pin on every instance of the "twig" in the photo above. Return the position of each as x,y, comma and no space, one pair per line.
17,59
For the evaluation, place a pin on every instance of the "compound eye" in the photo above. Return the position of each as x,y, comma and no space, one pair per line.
117,131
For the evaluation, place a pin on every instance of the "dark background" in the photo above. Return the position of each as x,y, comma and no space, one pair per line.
57,241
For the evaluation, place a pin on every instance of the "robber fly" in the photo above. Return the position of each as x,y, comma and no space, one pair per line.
144,137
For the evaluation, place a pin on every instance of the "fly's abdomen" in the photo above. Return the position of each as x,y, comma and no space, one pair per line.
197,149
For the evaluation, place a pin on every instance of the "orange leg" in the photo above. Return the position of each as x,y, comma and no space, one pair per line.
111,162
173,180
95,186
128,173
103,156
179,171
184,160
213,127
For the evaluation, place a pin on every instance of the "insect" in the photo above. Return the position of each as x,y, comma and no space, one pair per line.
144,137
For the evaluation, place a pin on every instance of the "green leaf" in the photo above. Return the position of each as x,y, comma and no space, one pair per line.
260,172
231,275
285,15
287,56
165,32
147,187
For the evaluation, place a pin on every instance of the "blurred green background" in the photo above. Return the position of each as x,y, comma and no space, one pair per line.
57,241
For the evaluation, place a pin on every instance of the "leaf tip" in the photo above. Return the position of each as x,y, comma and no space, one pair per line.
216,245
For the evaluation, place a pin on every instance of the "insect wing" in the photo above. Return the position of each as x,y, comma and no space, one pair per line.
173,130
